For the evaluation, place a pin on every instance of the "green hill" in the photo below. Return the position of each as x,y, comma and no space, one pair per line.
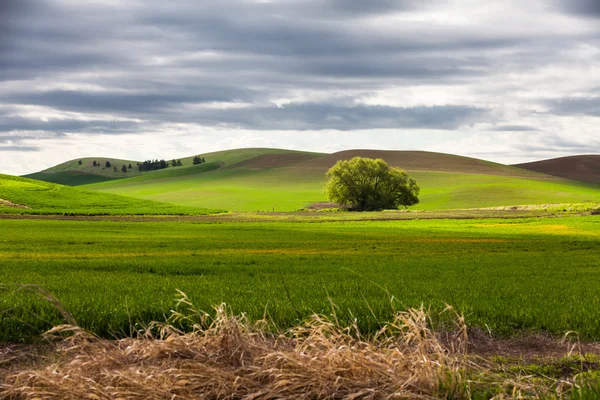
73,173
287,181
28,196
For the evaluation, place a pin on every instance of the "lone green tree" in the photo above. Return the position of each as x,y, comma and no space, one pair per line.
366,184
197,160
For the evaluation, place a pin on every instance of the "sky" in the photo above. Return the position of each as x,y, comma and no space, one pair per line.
507,81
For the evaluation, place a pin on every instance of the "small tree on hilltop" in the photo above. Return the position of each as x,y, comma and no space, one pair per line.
197,160
115,168
94,163
124,168
179,164
108,164
129,166
368,184
80,162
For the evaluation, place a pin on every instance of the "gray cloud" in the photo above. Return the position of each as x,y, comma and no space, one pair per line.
59,126
92,67
513,128
583,8
588,105
294,116
317,116
19,148
128,103
554,143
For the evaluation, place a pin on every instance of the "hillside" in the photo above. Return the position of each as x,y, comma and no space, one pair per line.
413,161
585,168
28,196
73,173
291,181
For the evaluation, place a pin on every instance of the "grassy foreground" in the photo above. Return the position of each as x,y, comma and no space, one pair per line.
227,356
503,275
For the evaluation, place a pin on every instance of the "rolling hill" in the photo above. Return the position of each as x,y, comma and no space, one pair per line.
73,173
286,181
28,196
585,168
422,161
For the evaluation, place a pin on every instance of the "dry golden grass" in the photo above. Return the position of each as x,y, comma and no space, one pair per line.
227,357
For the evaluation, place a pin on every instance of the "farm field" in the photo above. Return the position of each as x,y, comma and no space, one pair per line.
505,275
263,179
28,196
585,168
291,189
75,174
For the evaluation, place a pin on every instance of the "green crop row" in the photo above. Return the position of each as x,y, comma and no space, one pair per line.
503,275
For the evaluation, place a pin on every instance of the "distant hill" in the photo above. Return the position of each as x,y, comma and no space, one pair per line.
28,196
584,168
254,180
414,161
73,173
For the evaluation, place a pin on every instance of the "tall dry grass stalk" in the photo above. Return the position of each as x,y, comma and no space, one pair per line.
227,357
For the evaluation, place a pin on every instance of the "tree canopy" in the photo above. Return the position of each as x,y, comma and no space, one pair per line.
370,184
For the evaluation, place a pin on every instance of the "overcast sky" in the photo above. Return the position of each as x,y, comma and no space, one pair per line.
503,80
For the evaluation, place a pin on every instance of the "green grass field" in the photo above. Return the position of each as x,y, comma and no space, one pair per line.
284,180
290,189
504,275
38,197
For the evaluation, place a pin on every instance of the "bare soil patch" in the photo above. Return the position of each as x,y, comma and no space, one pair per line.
414,161
10,204
580,168
266,161
322,206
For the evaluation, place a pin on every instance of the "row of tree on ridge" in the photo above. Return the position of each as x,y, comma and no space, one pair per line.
148,165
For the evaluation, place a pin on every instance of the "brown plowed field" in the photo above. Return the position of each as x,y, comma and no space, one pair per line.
265,161
422,161
579,168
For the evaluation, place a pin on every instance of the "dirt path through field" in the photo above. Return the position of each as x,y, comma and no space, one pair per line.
10,204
